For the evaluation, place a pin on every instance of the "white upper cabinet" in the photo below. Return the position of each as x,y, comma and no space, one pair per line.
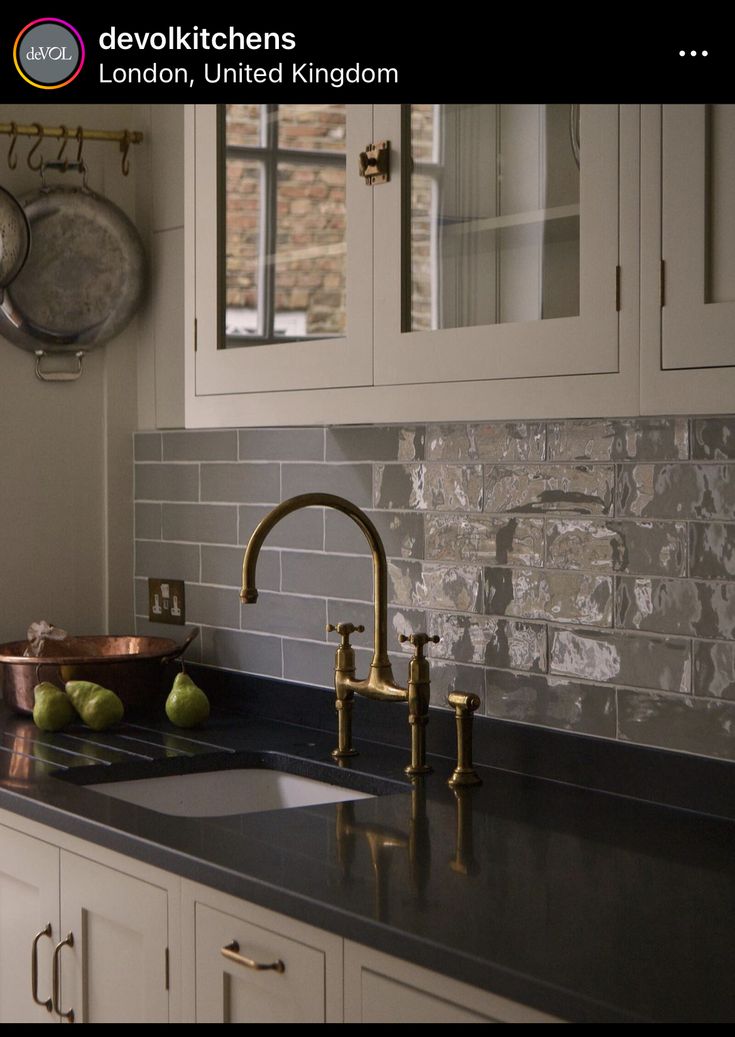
688,258
698,235
505,220
494,274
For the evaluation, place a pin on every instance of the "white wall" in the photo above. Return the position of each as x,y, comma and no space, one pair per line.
66,512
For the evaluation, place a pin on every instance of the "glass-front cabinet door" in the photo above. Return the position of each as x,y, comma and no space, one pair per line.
508,217
282,241
697,236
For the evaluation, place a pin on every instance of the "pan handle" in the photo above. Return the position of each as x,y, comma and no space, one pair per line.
39,667
191,636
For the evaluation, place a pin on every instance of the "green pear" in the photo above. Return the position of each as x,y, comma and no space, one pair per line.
186,705
52,709
98,707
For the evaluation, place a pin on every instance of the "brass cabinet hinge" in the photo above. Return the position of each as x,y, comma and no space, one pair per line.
374,163
663,282
617,287
167,982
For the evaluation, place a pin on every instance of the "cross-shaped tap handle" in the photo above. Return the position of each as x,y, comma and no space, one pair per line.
418,641
345,630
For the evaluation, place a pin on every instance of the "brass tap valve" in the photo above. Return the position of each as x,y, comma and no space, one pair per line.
419,693
465,705
344,666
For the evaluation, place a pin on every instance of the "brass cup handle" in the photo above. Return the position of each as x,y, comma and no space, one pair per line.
56,973
231,951
47,1004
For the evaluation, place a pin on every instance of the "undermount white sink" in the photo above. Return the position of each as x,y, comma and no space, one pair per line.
217,793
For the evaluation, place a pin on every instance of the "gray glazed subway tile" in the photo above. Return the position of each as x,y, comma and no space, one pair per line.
308,662
430,585
281,444
492,641
686,491
302,529
173,482
507,441
147,446
440,487
236,650
583,489
214,606
551,702
507,540
713,439
148,521
223,566
373,443
447,676
402,533
687,607
400,621
658,548
712,550
619,439
246,483
714,669
333,576
556,595
220,445
661,663
168,561
688,724
286,614
353,481
200,523
141,596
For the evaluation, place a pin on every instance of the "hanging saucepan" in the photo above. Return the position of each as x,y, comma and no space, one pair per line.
15,238
83,280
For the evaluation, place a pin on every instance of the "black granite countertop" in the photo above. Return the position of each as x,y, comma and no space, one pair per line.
588,904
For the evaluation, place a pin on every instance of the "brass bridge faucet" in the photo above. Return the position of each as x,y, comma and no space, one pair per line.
379,684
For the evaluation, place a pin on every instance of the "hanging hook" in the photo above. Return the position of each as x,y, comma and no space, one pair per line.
80,142
64,142
13,158
34,149
125,148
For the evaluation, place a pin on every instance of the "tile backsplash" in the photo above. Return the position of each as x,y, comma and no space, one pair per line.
580,573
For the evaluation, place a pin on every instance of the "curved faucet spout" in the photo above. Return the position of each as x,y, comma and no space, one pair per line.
249,592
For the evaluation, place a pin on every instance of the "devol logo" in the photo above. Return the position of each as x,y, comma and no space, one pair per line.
48,53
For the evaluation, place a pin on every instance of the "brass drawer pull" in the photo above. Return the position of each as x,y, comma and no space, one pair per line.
231,951
68,942
34,968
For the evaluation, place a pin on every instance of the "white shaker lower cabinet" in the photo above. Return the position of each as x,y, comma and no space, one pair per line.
237,986
29,905
382,989
116,970
115,967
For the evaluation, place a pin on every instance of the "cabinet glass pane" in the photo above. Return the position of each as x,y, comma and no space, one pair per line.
285,223
720,203
494,219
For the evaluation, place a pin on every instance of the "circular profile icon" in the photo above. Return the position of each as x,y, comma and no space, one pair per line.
48,53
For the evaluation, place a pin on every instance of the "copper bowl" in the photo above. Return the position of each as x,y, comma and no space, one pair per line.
132,666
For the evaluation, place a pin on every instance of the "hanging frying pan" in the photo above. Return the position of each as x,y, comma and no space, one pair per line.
15,238
83,280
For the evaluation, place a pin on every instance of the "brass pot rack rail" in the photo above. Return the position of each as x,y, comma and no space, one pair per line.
65,134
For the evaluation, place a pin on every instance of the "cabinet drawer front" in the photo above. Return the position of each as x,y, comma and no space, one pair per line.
230,992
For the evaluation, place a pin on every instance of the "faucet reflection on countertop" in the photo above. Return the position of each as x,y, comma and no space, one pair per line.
380,683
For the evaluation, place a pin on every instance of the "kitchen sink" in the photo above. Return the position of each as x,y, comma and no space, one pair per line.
241,790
